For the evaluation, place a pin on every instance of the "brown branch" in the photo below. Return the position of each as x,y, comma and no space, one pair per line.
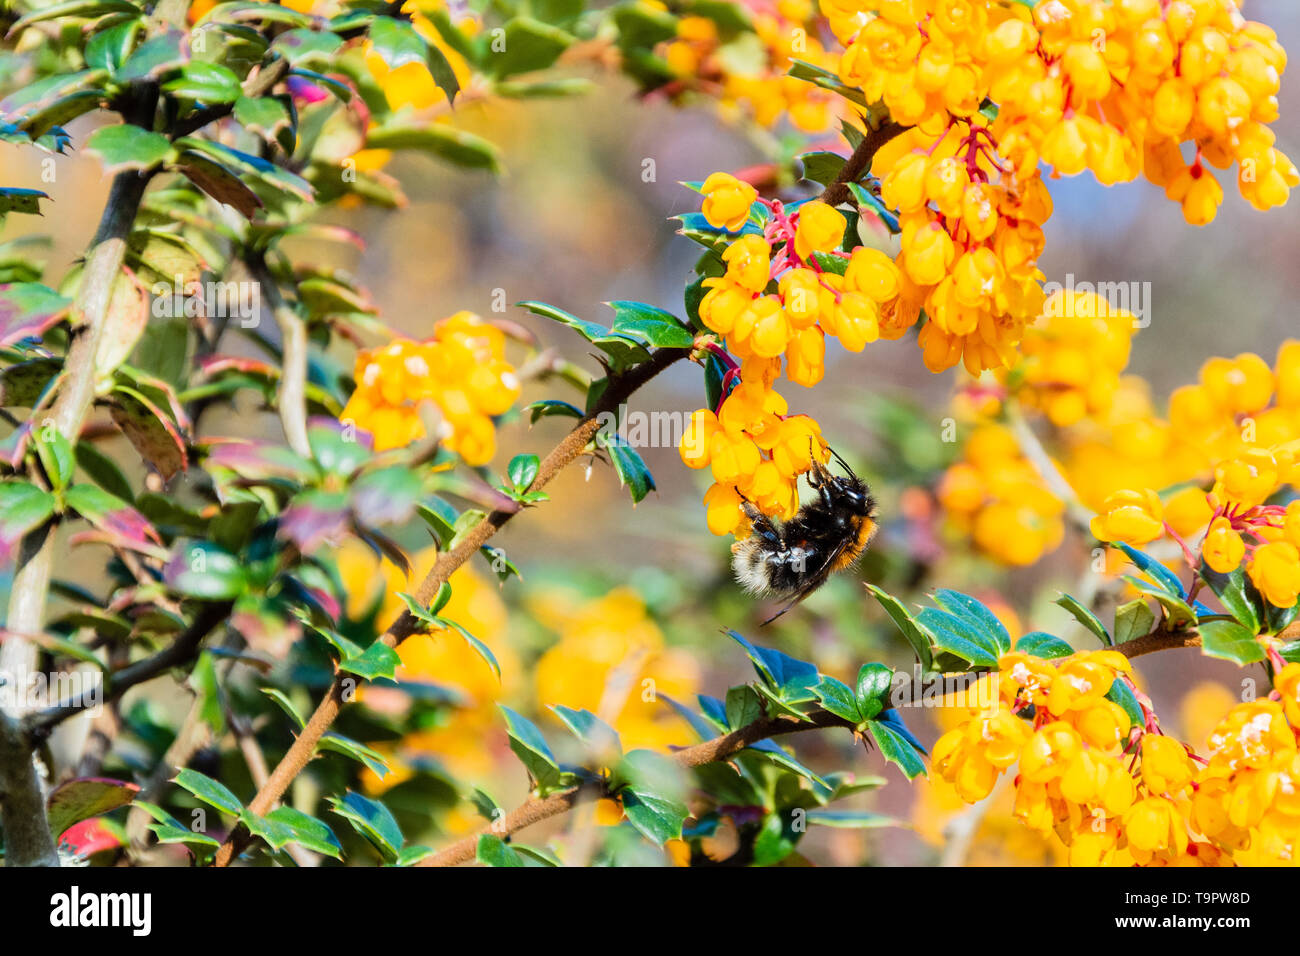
180,651
857,165
255,86
291,394
711,751
1165,638
302,750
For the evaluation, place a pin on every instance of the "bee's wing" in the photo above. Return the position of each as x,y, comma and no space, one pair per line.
814,580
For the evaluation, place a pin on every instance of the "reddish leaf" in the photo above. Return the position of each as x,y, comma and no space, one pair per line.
90,836
153,434
27,309
85,797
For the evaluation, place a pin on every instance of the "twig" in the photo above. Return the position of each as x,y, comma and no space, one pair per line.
711,751
37,726
291,396
304,746
858,164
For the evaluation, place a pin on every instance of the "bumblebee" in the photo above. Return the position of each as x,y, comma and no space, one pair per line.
790,560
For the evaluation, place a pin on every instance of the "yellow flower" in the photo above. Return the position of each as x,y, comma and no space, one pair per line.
727,201
1274,568
1223,548
1166,768
1134,517
820,229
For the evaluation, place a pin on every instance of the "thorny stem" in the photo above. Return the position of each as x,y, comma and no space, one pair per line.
574,444
711,751
858,164
537,809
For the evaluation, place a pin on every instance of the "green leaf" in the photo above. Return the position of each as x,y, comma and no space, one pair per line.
656,817
959,636
209,791
1234,590
399,43
1153,569
623,351
791,678
411,855
547,407
821,166
631,468
1084,616
109,49
966,607
73,9
56,456
23,508
208,83
377,660
124,147
282,701
493,851
522,471
103,471
1044,645
1230,641
1178,610
476,645
372,820
456,146
532,750
28,309
895,748
1132,620
599,737
650,326
836,697
307,831
1122,694
28,201
528,45
827,80
838,265
874,682
743,706
355,750
850,819
901,616
252,167
776,838
201,569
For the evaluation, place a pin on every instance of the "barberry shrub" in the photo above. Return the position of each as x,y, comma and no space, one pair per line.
230,644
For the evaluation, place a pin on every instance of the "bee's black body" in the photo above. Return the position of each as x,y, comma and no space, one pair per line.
791,560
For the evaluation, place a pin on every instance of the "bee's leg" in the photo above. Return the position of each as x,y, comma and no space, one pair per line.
764,527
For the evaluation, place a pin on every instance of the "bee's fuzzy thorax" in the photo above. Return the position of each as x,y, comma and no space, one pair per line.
792,559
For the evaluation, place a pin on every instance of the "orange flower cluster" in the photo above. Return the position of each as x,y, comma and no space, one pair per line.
1072,357
782,293
1124,795
461,370
1242,421
748,73
997,497
971,238
1115,87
